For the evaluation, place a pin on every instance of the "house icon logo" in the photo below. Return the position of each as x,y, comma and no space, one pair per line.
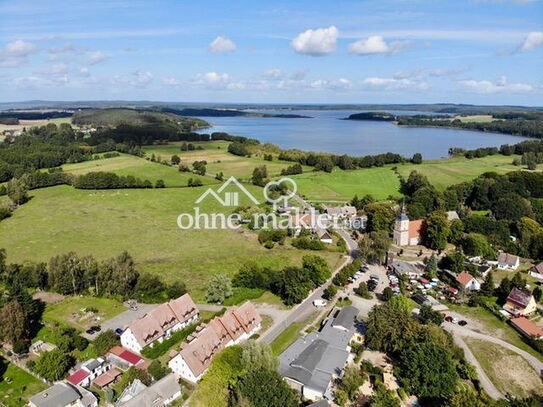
228,198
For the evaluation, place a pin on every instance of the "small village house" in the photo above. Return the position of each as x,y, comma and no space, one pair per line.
520,303
88,371
467,282
537,271
527,328
159,394
508,261
160,323
63,394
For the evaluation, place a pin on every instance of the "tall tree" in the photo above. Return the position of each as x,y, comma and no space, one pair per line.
13,323
437,231
219,288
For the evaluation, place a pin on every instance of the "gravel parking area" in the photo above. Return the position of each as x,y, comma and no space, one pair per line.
122,320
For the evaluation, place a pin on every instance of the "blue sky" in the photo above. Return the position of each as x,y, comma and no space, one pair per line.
386,51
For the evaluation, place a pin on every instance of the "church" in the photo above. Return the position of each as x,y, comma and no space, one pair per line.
406,232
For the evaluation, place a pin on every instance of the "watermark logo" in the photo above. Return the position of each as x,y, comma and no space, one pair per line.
228,198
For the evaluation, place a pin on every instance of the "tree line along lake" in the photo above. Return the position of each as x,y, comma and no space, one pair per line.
326,132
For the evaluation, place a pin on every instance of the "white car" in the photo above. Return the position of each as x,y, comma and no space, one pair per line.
320,303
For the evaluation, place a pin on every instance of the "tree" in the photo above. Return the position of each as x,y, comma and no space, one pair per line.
264,388
427,370
475,244
317,269
437,231
295,285
431,266
537,293
160,184
453,261
512,207
219,288
384,398
330,292
257,355
387,294
105,341
53,365
417,158
157,370
380,217
488,286
428,315
260,176
362,290
13,322
17,190
175,159
350,382
414,182
457,230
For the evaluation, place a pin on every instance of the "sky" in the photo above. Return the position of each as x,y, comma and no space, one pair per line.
385,51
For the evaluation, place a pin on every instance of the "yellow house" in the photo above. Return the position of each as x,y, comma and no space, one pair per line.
520,303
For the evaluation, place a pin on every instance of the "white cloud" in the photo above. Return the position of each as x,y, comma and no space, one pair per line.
137,79
274,73
394,83
95,57
317,42
376,44
532,41
215,80
447,72
222,45
502,85
340,84
16,53
299,75
171,82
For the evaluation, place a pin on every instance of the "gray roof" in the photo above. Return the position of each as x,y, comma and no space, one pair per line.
92,365
315,358
155,395
403,267
320,403
58,395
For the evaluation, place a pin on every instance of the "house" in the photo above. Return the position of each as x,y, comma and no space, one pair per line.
108,378
411,270
88,371
467,282
160,323
159,394
520,303
323,235
406,232
343,212
484,269
537,271
527,328
508,261
195,356
63,395
311,364
452,215
40,346
124,359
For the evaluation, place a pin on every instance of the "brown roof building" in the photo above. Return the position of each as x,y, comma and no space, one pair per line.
527,327
229,329
159,323
520,303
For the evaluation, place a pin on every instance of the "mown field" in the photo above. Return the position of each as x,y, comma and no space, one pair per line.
219,159
143,222
381,182
16,385
138,167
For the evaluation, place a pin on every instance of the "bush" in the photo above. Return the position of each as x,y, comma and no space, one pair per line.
305,243
160,349
105,341
242,294
269,244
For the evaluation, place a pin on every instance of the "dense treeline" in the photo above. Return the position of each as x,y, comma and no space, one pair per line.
529,146
34,115
109,180
517,126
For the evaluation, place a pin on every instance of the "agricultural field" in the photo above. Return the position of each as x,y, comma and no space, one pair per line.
219,159
381,182
509,372
138,167
16,385
144,222
476,118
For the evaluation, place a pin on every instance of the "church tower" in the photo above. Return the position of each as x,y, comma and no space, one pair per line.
401,229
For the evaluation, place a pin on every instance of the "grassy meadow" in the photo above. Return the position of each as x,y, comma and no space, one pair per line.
127,164
16,385
142,221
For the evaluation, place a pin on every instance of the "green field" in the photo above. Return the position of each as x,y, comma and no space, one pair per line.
138,167
219,159
381,182
71,311
143,222
16,385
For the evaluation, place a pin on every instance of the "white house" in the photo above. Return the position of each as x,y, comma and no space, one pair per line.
88,371
467,282
508,261
160,323
161,393
235,326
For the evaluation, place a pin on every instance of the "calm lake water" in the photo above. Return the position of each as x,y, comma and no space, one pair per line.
325,132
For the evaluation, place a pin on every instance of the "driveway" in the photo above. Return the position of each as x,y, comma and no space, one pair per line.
123,319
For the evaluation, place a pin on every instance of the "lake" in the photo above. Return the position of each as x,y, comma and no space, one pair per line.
325,132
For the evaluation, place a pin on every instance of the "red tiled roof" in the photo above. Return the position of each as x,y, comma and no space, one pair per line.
415,228
126,355
464,278
107,378
528,327
78,376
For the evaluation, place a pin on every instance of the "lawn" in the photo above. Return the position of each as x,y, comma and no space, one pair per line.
138,167
341,186
509,372
71,311
289,335
16,385
219,159
492,325
144,222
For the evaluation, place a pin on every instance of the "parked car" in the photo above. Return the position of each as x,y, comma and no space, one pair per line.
320,303
374,277
96,328
448,318
463,323
118,331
